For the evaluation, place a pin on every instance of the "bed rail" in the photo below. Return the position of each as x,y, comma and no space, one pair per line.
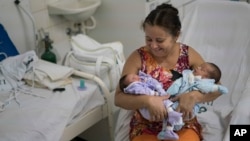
96,114
107,96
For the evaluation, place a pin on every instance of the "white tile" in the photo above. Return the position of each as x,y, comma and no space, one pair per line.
55,20
58,32
55,25
37,5
42,19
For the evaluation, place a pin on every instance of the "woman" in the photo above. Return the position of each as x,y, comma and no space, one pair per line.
162,53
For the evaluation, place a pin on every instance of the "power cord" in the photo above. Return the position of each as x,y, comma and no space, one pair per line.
17,2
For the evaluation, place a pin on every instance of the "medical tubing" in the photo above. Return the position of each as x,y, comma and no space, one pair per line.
17,2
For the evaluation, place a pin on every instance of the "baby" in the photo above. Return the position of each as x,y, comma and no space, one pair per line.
202,78
145,84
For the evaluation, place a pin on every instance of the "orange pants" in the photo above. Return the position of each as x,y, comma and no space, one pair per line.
185,134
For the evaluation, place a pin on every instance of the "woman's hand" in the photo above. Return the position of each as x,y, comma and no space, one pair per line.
186,103
156,107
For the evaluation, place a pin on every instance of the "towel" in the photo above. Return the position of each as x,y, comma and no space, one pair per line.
49,75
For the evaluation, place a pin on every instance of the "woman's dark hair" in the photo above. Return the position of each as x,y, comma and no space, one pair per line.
165,16
121,83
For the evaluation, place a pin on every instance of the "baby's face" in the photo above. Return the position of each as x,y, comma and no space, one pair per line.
131,78
202,70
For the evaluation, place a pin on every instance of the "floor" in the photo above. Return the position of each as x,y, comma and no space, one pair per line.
78,139
101,128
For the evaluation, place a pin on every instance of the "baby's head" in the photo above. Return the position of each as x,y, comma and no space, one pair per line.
128,79
208,70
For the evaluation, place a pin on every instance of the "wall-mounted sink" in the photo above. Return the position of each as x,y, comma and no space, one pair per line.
74,10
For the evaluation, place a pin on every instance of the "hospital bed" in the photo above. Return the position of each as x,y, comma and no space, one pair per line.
58,110
50,102
220,31
34,112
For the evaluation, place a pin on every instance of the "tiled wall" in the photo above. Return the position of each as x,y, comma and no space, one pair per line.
55,25
113,19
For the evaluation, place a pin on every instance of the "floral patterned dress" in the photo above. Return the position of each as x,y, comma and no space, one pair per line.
138,124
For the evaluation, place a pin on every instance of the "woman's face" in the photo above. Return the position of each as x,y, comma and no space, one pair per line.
158,41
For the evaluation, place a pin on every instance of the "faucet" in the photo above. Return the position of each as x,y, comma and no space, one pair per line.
78,30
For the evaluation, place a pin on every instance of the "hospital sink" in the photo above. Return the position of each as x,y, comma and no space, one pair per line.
74,10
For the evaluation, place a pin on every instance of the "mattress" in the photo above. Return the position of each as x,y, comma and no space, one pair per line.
43,114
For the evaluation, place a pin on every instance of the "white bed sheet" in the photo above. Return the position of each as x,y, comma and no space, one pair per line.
44,119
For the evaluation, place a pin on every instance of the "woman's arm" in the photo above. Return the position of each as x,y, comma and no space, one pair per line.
126,101
154,104
195,59
188,100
